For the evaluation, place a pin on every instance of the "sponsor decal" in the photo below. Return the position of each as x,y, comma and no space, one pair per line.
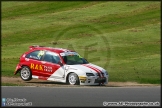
73,69
41,67
69,68
83,78
47,68
69,53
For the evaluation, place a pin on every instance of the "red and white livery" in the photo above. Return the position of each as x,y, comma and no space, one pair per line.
60,65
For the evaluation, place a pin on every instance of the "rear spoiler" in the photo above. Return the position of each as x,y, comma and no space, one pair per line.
34,46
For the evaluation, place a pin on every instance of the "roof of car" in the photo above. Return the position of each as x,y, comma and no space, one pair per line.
53,49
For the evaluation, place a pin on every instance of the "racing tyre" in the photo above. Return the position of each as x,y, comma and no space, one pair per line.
73,79
25,73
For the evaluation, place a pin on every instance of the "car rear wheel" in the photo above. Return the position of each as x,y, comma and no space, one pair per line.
25,73
73,79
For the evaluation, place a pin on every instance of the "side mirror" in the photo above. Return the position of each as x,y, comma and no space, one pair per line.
86,59
60,63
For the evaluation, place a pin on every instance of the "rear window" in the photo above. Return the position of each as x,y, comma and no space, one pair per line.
35,55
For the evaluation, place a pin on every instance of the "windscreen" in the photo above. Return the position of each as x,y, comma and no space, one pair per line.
73,58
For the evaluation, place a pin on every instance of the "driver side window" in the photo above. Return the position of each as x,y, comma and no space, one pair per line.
51,57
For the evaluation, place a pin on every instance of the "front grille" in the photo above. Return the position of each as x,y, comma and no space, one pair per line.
100,80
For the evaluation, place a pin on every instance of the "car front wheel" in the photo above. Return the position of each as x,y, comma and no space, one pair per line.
73,79
25,73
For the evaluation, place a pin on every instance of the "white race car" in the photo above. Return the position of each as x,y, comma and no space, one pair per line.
60,65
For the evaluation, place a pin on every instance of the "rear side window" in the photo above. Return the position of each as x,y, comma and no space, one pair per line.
35,55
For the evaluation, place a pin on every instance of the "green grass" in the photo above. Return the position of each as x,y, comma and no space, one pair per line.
122,37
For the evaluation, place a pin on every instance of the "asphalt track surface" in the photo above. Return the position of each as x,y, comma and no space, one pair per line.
82,96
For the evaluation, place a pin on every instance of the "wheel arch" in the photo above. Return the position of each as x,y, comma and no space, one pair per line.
68,76
30,77
18,71
27,66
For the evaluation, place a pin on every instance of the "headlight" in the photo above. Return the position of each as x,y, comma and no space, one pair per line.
90,74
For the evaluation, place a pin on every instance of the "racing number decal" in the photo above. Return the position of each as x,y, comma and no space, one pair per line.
41,53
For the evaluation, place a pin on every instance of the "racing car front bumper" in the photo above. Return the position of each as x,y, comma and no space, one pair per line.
93,80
